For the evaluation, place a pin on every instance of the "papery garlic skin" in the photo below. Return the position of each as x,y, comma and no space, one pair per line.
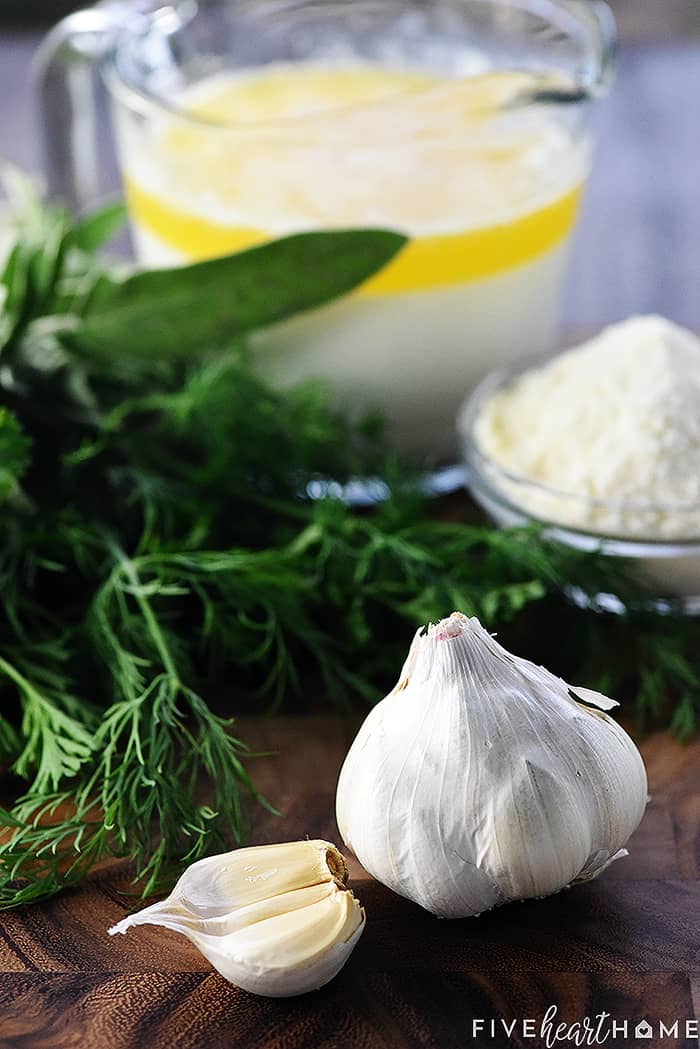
481,779
276,920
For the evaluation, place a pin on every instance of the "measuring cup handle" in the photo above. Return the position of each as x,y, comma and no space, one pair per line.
71,101
601,21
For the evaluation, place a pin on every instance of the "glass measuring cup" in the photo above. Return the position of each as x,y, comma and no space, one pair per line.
462,123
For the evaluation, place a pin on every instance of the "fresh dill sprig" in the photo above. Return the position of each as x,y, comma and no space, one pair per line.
156,541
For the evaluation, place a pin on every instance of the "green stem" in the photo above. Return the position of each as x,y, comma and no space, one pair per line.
129,569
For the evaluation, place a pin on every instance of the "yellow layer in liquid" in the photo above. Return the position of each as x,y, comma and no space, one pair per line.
443,126
424,263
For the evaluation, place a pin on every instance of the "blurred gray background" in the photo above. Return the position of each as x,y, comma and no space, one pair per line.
637,248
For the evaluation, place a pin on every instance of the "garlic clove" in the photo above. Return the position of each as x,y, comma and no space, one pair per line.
289,953
174,914
276,920
246,875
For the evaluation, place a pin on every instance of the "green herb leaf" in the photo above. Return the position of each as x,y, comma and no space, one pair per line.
91,232
162,540
56,744
176,313
14,452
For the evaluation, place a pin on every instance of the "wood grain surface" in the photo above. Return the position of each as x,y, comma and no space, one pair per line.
627,943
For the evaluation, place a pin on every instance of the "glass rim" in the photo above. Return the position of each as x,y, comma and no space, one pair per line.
593,16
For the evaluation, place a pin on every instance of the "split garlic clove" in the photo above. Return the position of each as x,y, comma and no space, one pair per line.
276,920
482,778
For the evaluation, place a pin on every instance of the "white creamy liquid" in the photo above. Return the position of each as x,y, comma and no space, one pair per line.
447,162
412,355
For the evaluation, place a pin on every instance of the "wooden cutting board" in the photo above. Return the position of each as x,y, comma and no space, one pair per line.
628,943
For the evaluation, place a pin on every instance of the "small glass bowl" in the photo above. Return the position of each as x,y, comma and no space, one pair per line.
665,572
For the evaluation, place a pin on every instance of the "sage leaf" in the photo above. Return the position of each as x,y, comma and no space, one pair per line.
91,232
178,312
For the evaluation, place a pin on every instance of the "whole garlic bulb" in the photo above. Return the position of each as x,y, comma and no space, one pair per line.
276,920
482,778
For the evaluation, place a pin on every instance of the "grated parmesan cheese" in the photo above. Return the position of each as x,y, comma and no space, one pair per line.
613,426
